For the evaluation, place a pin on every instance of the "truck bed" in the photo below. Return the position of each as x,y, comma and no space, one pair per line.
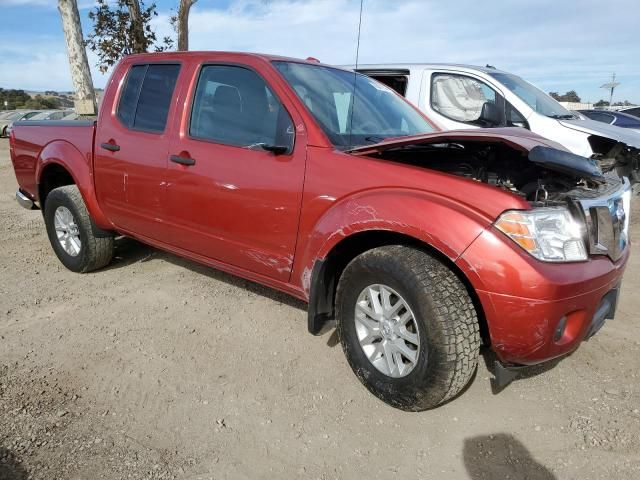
29,138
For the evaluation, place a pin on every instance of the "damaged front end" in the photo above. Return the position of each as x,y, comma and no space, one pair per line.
615,149
578,213
539,171
618,157
551,179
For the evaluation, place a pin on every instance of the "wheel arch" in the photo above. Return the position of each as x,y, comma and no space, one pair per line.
327,271
59,164
52,175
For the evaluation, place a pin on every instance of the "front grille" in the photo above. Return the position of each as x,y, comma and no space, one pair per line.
607,221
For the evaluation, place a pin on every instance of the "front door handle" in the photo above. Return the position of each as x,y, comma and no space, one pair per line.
182,160
112,147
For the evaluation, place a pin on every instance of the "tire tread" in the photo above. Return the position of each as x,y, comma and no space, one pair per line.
99,249
453,310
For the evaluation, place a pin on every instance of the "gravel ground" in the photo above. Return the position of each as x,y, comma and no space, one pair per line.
159,368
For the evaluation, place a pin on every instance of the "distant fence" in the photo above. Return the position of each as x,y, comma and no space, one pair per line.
577,105
590,106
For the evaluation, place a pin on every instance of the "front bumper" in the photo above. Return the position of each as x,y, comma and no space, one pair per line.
538,311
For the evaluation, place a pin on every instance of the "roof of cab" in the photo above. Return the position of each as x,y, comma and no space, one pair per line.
204,54
423,66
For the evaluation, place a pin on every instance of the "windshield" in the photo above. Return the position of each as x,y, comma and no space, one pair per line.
374,114
532,96
40,116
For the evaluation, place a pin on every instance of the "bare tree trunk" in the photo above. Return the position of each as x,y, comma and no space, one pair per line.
183,24
138,40
85,103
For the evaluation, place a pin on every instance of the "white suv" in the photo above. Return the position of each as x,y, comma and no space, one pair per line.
464,96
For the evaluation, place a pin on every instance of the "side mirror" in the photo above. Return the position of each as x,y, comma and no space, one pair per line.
490,114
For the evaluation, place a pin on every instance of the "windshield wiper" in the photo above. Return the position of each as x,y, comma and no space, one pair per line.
374,139
562,117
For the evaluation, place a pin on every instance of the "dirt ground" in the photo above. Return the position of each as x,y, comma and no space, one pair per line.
159,368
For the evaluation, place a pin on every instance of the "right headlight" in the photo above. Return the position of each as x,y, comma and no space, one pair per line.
550,234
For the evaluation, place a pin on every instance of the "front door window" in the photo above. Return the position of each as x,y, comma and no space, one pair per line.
462,98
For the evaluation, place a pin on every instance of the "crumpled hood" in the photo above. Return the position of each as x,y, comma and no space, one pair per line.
539,150
624,135
518,138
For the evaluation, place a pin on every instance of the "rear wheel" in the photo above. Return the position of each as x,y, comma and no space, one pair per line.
70,232
408,327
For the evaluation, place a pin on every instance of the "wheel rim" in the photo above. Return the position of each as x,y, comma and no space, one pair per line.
67,231
387,330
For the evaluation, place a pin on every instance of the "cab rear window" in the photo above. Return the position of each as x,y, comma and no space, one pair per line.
146,97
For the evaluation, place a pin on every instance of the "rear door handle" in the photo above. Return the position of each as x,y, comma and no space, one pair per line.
182,160
112,147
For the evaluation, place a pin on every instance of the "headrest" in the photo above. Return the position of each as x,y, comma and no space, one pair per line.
228,97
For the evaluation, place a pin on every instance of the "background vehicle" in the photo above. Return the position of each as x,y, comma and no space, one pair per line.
53,115
619,119
465,96
635,111
14,117
46,115
330,187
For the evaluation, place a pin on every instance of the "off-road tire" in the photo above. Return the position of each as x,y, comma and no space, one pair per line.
447,321
95,252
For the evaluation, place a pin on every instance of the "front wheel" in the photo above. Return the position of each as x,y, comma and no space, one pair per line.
407,326
70,232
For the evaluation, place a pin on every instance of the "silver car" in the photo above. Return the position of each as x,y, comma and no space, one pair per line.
45,115
14,117
52,115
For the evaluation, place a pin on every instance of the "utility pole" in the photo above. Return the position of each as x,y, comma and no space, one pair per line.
611,86
85,102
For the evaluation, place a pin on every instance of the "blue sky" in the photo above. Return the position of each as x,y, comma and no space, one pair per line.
558,45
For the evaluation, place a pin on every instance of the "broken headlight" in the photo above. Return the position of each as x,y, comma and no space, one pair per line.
550,234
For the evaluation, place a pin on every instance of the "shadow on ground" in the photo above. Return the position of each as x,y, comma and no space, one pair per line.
129,251
501,456
10,466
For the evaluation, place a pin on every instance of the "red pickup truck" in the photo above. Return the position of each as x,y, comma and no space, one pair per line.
327,185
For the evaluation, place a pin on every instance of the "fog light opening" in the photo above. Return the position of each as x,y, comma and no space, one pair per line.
560,329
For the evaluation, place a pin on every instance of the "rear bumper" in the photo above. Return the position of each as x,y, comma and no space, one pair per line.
538,311
24,201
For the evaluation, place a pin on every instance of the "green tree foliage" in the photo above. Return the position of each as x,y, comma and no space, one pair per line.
21,99
117,32
14,98
605,103
42,103
570,96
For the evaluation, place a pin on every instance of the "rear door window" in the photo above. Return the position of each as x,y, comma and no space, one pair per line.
146,97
